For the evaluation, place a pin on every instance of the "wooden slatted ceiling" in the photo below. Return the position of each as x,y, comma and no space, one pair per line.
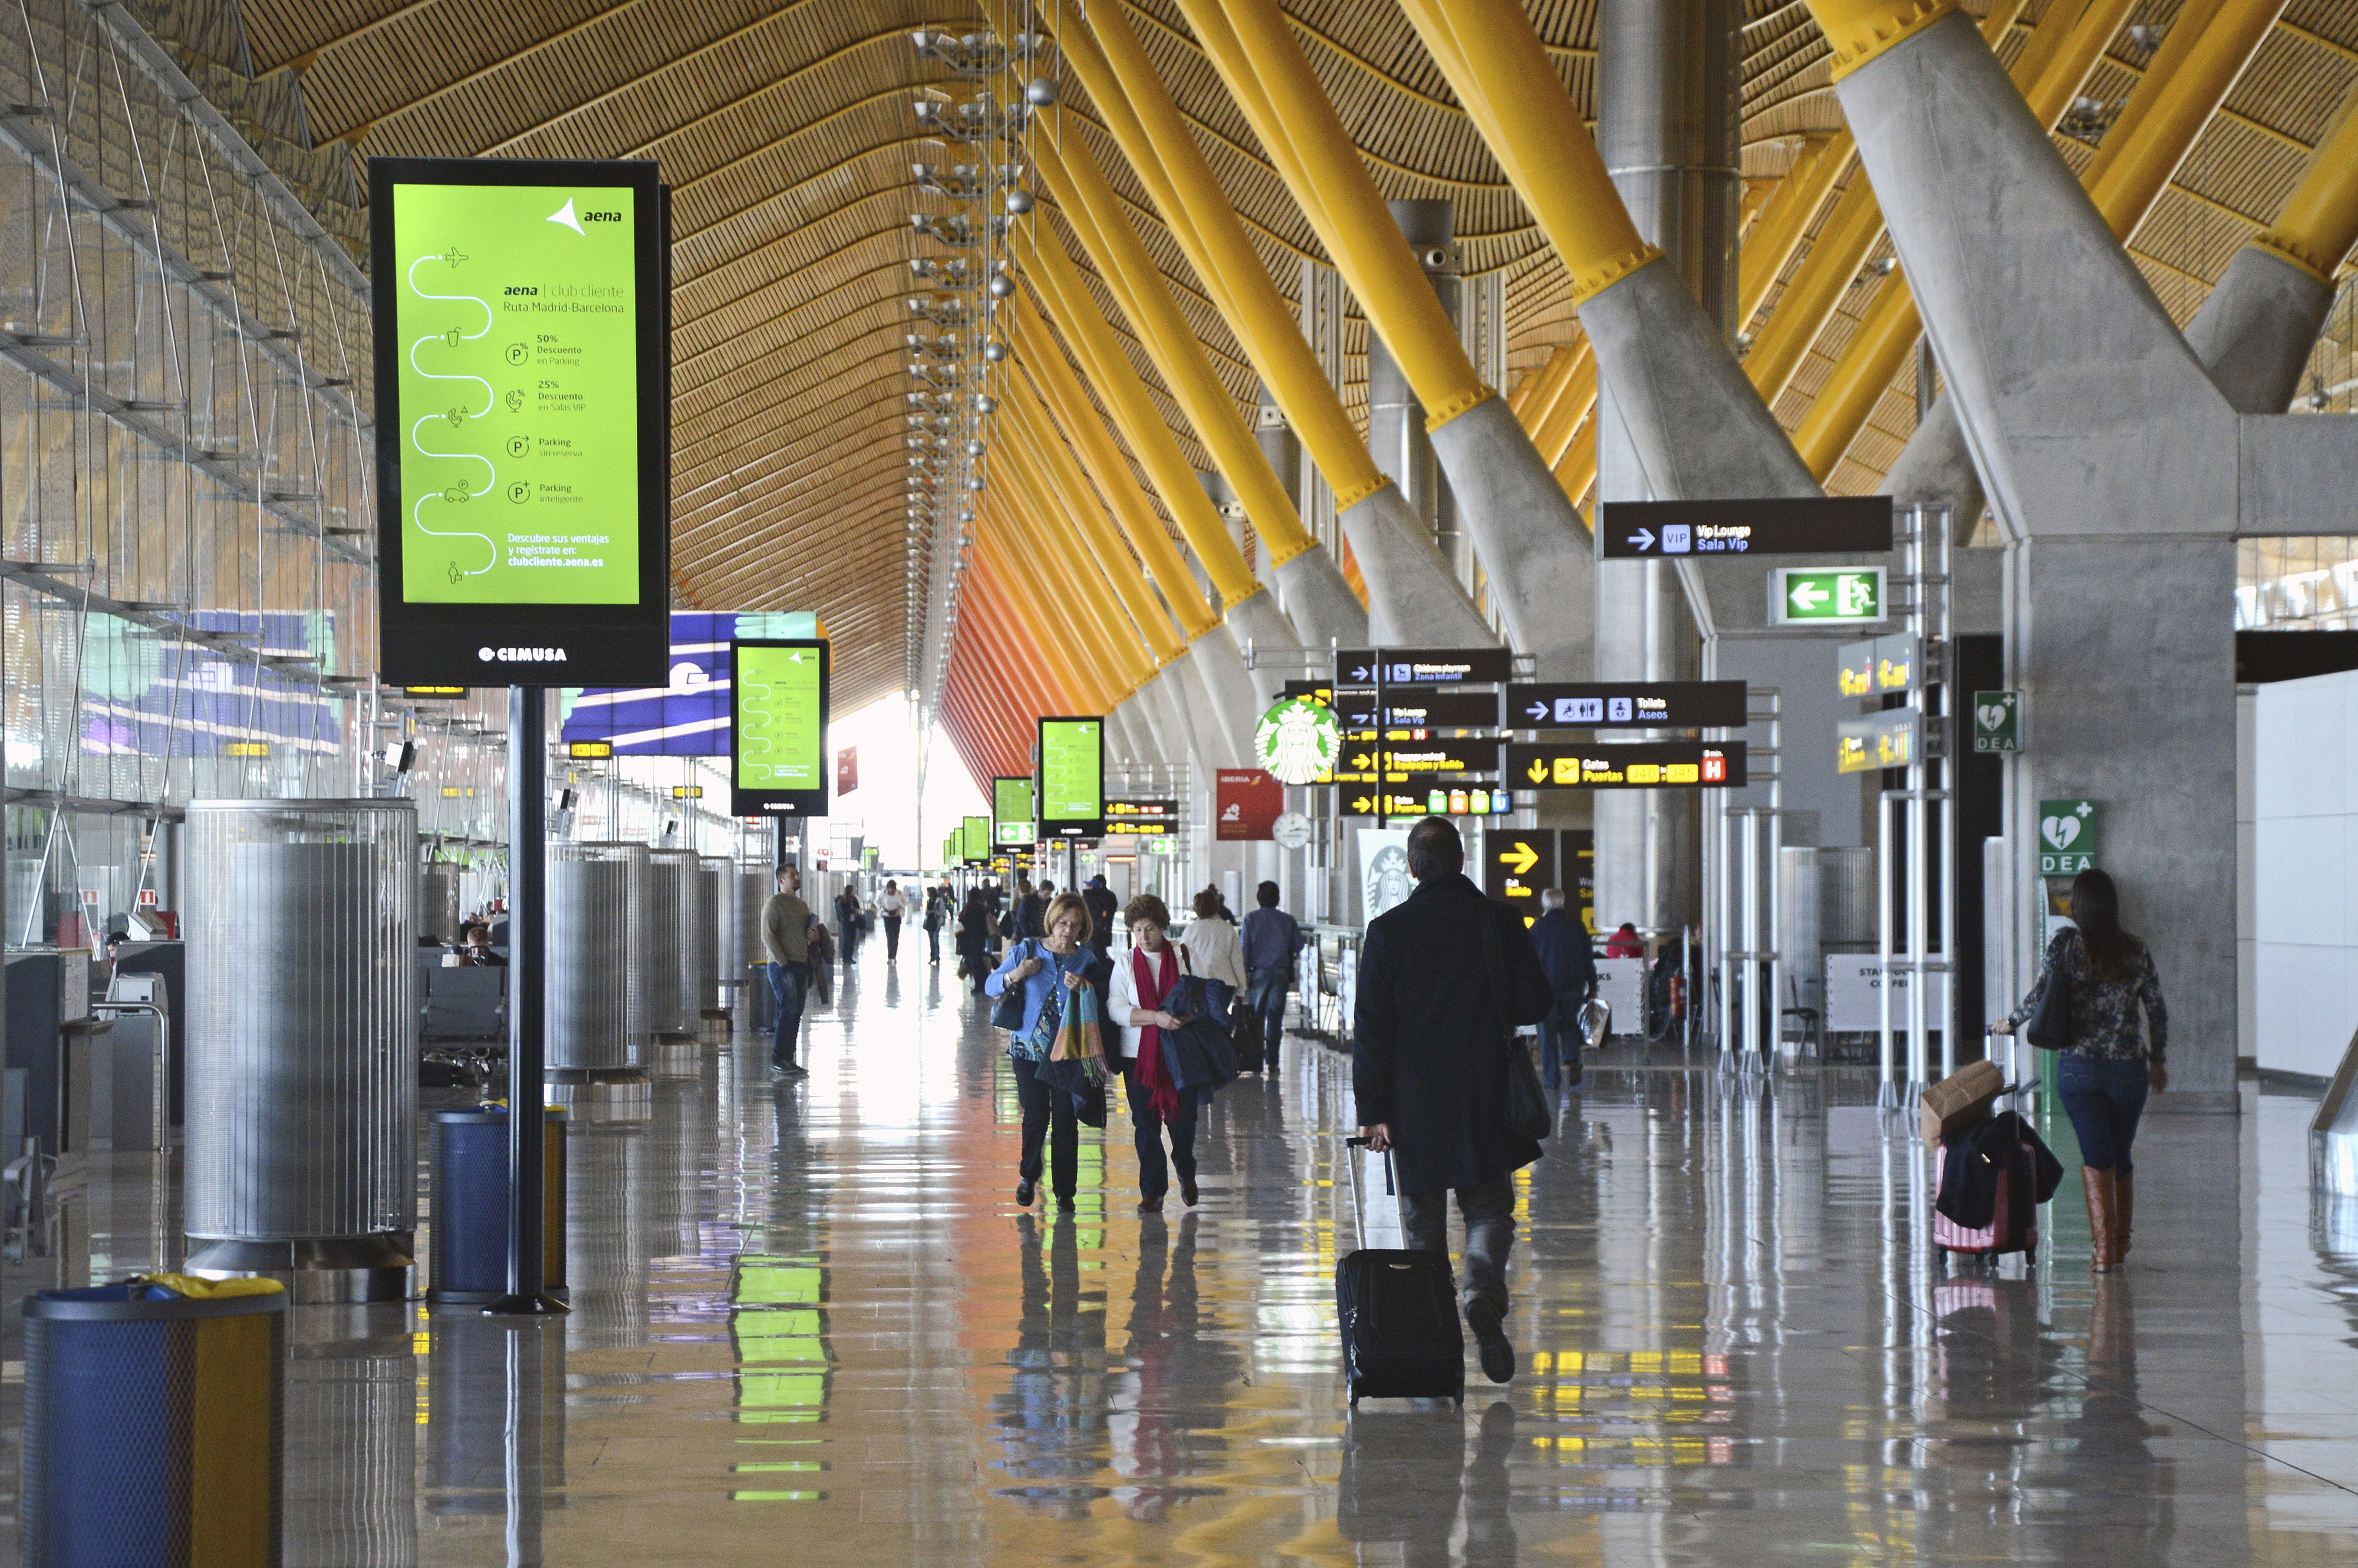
785,125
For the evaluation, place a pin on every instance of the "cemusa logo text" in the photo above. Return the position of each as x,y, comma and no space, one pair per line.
520,655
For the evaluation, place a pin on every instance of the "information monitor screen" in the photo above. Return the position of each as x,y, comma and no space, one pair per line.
778,763
1010,814
1072,778
522,345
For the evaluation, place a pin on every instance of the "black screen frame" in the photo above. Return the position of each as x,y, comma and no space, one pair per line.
743,802
604,644
1069,828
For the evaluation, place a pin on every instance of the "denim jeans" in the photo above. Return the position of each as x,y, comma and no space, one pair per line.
891,937
1153,1176
1489,1211
1560,1042
1267,987
2104,1100
788,985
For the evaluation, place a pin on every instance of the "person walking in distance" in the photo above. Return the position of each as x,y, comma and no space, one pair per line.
890,904
940,904
1100,900
2109,1064
1143,982
973,938
1561,943
847,923
786,941
1271,937
1429,1066
1213,949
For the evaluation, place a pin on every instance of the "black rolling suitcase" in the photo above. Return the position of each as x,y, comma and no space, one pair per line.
1245,1035
1402,1337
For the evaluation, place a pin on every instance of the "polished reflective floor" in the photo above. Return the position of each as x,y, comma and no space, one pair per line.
811,1325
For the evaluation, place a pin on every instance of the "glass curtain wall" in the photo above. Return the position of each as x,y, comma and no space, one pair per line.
185,485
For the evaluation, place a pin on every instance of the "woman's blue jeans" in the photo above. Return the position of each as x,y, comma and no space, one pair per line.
2103,1098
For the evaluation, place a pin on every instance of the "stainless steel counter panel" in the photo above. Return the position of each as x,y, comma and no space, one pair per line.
596,995
302,975
663,941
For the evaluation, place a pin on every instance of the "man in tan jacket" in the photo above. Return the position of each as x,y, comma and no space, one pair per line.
786,939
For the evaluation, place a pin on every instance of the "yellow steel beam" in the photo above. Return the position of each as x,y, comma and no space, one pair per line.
1061,387
1143,426
1072,174
1054,536
2187,79
1528,399
1572,410
2319,222
1146,124
1786,222
1546,413
1493,58
1325,173
1577,471
1073,477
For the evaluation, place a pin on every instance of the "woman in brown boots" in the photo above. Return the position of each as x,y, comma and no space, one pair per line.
2109,1062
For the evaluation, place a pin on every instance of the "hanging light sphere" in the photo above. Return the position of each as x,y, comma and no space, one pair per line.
985,403
1001,285
975,483
966,514
994,350
1018,201
974,449
1040,93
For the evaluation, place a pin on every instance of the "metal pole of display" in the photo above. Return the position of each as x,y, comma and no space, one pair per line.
1887,1094
528,931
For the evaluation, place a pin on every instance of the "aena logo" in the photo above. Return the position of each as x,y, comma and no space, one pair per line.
520,655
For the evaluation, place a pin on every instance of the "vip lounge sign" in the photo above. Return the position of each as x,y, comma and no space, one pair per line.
2067,837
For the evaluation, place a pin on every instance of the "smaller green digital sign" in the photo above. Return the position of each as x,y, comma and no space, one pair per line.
1011,813
1072,777
974,839
778,699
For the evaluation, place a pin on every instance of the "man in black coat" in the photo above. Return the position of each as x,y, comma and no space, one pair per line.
1429,1068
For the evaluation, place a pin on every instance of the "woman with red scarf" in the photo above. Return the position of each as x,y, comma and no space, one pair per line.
1143,980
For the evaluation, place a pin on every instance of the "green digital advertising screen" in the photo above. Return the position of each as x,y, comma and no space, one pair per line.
521,327
1072,778
974,839
777,694
1011,813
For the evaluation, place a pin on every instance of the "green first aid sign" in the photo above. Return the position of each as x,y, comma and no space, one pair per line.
518,318
2067,837
1825,596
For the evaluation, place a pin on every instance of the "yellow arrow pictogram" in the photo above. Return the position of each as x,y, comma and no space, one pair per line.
1520,858
1539,772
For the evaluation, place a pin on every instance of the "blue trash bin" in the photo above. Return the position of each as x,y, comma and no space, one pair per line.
467,1167
154,1420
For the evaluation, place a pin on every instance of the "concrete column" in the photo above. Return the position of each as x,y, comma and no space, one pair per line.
1667,126
1396,435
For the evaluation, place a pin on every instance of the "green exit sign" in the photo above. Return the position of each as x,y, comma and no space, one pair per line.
1825,596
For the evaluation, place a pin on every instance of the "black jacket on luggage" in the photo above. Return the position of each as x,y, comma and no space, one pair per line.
1427,1056
1968,1193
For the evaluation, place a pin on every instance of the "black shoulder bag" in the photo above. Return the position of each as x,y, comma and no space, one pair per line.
1528,1116
1008,1013
2049,1027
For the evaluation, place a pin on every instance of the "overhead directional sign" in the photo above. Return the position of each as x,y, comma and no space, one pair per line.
1887,739
1480,802
1420,710
1880,665
1814,525
1645,764
1316,691
1419,756
1830,595
1518,865
1422,666
1135,810
1598,705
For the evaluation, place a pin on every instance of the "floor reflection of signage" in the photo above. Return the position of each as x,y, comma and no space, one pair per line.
1887,739
1518,865
1813,525
2067,837
1646,764
1595,705
1422,666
